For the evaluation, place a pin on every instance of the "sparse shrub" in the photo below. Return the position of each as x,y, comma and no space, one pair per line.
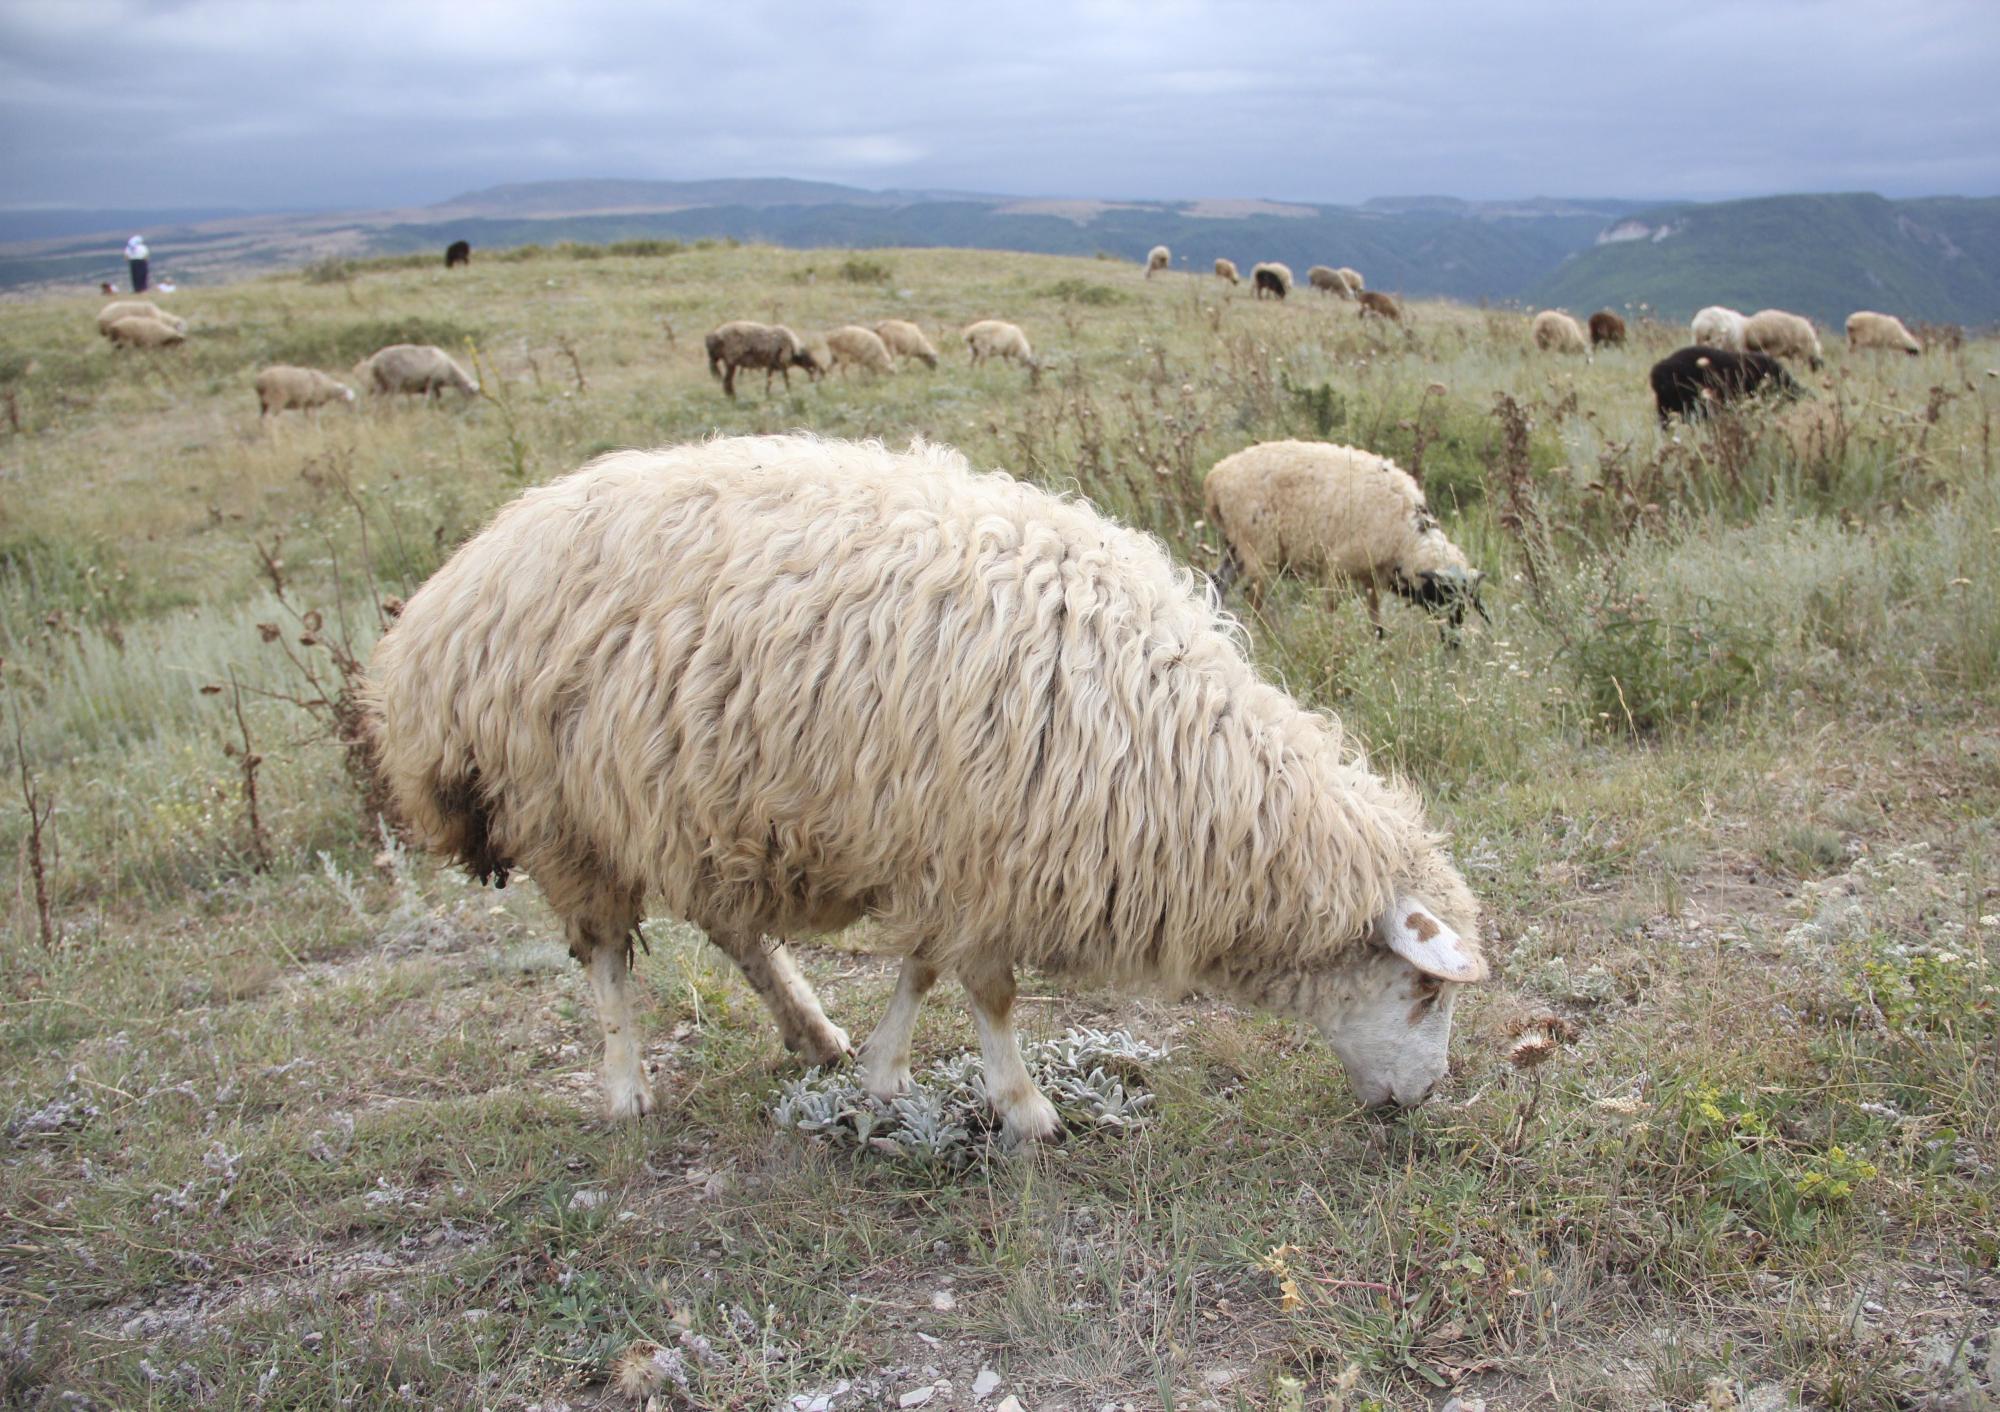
1325,410
645,248
1083,291
861,269
330,269
1643,666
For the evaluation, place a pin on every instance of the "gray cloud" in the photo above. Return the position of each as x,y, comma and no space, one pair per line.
119,103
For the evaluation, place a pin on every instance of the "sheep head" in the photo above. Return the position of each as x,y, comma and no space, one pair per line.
1387,1013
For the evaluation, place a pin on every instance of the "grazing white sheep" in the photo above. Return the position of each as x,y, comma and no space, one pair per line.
1556,332
1337,514
282,386
774,684
414,368
136,308
1271,277
906,340
1158,258
141,331
1352,279
1226,269
1718,327
1331,281
1782,335
1866,329
854,346
996,338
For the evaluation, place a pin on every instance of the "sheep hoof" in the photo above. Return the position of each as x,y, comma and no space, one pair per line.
825,1045
630,1099
1031,1120
885,1083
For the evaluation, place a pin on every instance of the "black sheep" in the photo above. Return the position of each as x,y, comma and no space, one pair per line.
459,252
1686,381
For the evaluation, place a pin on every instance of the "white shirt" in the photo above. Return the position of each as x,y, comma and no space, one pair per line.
135,248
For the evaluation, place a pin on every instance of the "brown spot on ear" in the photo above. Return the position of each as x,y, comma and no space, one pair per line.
1422,924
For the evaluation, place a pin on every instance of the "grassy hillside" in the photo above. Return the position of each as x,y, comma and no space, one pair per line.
289,1118
1821,256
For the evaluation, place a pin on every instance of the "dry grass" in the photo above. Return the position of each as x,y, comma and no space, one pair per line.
1723,767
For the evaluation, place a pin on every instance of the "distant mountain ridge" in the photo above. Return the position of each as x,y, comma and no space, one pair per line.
1821,255
1935,258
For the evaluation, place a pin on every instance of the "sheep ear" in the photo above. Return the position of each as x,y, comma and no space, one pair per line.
1415,933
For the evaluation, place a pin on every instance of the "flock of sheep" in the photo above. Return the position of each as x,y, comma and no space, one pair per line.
401,367
776,349
774,684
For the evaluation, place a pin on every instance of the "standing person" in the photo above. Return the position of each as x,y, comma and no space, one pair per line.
135,258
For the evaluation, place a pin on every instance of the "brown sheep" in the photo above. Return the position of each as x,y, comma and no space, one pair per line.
1606,330
745,343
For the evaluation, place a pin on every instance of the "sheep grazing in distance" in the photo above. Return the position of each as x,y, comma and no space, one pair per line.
459,252
1556,332
1381,305
996,338
745,343
281,387
414,368
1718,327
774,684
1606,330
1270,277
1226,269
1352,279
136,308
139,331
1157,259
1337,514
851,345
1782,335
1326,279
1688,382
906,340
1866,329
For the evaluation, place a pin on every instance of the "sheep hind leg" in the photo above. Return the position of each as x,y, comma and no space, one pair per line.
602,942
884,1057
1025,1115
772,973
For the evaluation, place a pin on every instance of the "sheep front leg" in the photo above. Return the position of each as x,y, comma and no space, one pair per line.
1025,1115
803,1025
604,946
885,1055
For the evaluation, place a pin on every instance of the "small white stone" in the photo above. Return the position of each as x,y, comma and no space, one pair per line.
1009,1403
985,1384
916,1396
944,1301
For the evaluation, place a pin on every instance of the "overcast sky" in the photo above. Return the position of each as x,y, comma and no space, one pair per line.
117,103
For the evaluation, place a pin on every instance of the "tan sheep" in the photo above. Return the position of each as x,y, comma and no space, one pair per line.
996,338
1226,269
1782,335
1866,329
1556,332
140,331
1352,279
771,685
1157,259
1718,327
414,368
851,345
906,340
1331,281
1338,515
282,386
141,308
